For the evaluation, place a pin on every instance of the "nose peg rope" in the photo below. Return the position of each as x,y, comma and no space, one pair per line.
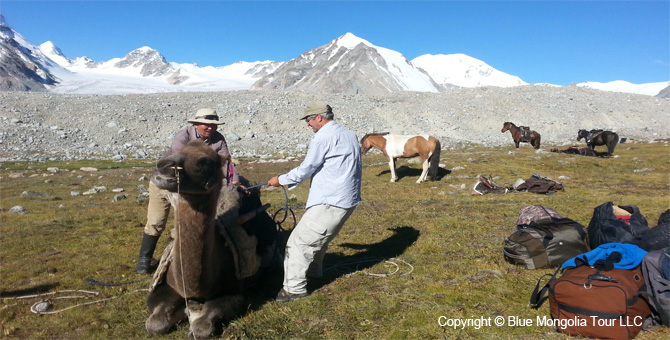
181,259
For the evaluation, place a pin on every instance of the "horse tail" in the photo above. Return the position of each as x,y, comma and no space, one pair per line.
613,141
434,161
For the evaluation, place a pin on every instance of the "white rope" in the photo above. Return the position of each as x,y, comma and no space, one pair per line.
176,217
392,261
40,307
35,310
181,258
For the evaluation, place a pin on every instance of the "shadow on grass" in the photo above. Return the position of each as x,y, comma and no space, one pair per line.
337,265
405,171
28,291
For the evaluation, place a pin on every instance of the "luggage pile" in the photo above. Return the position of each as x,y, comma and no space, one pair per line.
612,279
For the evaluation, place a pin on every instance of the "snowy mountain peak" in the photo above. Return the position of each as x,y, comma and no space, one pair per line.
350,41
150,61
24,67
54,53
464,71
348,64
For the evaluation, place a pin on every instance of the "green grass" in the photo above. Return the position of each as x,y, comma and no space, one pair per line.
443,245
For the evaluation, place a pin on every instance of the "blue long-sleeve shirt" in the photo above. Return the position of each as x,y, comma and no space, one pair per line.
333,162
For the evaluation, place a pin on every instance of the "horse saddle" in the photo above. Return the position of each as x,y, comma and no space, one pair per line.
485,185
593,134
526,133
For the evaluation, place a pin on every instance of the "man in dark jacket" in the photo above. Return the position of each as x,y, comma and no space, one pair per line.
204,127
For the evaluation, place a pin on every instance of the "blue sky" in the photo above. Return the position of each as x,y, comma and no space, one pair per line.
557,42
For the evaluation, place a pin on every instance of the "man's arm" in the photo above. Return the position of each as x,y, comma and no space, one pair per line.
316,156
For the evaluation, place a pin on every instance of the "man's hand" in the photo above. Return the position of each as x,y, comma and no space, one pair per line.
274,182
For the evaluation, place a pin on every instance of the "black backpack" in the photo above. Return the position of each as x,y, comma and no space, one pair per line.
546,243
607,227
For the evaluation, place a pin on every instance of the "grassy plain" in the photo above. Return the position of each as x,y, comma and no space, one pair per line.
411,254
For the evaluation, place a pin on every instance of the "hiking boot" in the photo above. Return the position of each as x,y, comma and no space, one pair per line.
285,296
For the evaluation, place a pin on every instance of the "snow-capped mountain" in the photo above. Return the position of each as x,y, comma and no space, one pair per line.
649,89
145,70
349,64
23,67
464,71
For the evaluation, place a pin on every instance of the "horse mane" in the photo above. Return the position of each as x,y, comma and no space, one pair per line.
374,134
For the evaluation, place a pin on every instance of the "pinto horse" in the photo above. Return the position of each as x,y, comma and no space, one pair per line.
599,137
403,146
519,135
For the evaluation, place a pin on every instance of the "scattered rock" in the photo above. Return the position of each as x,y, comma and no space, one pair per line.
18,210
119,197
142,196
34,194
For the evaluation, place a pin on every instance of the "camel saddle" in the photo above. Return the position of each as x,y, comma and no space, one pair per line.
241,244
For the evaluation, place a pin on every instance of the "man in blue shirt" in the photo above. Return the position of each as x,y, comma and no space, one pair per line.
333,163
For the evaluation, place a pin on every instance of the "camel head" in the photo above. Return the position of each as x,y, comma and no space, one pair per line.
195,169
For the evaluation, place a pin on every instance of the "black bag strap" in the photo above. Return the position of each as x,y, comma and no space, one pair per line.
538,295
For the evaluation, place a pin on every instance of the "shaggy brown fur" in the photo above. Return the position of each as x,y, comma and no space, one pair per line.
197,278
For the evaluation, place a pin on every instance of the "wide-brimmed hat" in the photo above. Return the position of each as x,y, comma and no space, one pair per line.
316,109
206,116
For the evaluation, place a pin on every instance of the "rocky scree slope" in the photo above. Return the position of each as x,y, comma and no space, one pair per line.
47,126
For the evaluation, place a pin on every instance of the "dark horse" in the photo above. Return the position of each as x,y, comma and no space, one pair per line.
522,134
599,137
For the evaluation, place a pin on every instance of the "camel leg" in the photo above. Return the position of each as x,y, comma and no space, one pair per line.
424,173
392,167
205,318
167,309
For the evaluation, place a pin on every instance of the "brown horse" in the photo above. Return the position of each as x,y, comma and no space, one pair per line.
599,137
520,135
402,146
212,252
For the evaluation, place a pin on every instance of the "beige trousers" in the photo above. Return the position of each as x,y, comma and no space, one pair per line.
157,211
308,243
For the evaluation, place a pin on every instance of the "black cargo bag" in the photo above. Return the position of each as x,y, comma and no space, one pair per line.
546,244
615,224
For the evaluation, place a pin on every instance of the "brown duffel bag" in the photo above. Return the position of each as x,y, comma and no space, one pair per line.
596,303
